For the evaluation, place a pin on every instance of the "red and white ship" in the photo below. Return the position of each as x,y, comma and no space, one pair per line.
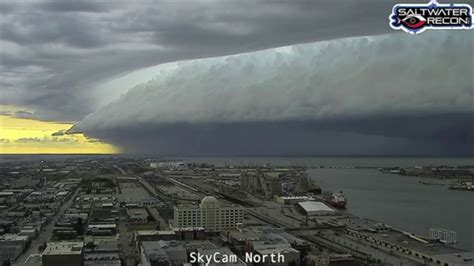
337,200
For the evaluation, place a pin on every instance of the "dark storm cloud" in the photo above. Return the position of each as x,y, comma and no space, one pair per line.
73,6
30,29
18,114
53,53
394,94
362,95
393,136
23,114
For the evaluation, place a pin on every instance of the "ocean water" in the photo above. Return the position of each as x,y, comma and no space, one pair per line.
402,201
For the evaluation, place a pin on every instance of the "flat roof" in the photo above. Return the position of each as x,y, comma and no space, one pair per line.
314,206
102,226
155,232
190,228
13,237
276,250
63,248
295,197
404,239
137,213
102,256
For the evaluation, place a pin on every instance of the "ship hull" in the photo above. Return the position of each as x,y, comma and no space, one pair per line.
336,200
337,205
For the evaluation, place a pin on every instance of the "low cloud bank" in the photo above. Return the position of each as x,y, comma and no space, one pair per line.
390,94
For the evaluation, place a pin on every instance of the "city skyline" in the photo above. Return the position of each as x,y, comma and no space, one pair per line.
236,132
187,79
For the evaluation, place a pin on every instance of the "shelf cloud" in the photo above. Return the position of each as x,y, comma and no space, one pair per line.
386,94
55,53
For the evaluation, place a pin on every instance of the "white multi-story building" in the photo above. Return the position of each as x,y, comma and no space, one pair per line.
209,214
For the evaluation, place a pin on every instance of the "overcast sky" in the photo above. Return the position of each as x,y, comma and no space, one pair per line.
66,60
54,53
371,94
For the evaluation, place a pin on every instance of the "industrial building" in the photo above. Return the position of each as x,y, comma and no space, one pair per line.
412,246
102,259
274,244
275,183
137,215
290,200
316,208
155,235
209,214
162,253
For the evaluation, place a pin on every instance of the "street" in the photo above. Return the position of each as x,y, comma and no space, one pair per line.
46,232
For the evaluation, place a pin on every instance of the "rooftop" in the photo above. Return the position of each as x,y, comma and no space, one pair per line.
137,213
314,206
296,197
276,250
102,226
410,241
63,248
13,237
154,232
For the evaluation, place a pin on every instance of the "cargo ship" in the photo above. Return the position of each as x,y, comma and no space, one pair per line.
337,200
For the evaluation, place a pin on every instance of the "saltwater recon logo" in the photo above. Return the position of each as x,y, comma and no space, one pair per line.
416,18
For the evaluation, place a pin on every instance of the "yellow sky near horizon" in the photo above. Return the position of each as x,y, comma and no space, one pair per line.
29,136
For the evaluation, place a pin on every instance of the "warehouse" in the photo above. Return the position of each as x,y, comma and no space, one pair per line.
316,208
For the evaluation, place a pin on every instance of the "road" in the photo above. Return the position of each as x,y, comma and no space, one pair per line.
125,237
46,232
126,244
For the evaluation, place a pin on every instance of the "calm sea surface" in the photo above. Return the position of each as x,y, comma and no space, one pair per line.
400,201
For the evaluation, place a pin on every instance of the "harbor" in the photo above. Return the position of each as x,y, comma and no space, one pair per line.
154,210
